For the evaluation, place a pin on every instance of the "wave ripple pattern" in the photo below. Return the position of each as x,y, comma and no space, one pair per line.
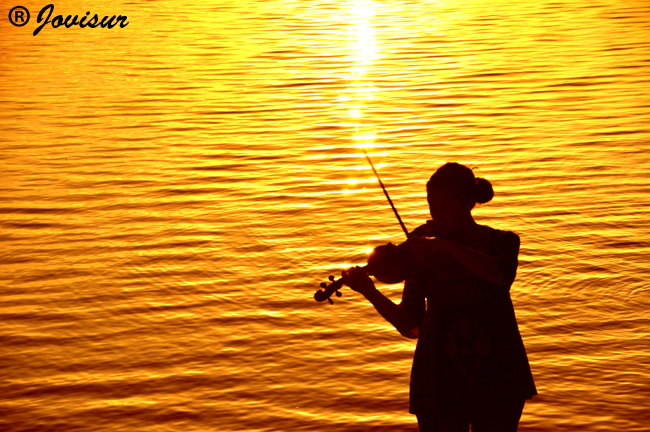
172,194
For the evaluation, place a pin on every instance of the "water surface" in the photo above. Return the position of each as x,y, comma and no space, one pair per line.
173,193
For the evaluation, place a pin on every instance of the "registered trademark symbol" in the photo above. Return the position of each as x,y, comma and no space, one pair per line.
19,16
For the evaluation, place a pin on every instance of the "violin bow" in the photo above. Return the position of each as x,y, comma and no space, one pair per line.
399,219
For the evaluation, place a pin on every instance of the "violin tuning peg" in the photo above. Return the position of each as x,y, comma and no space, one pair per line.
330,300
338,294
331,278
323,285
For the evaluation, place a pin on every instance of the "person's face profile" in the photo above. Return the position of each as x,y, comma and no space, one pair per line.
446,210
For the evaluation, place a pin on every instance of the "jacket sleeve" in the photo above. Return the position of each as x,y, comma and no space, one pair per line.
506,251
413,301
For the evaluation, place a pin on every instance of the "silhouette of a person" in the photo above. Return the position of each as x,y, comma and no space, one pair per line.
470,366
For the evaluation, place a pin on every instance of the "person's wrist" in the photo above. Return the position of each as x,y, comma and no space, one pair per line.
370,292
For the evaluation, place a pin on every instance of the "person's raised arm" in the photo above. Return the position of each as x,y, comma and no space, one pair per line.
479,263
357,279
499,269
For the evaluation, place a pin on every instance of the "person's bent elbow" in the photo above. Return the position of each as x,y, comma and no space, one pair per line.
413,333
408,327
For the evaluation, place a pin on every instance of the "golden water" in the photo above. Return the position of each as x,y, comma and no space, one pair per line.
173,192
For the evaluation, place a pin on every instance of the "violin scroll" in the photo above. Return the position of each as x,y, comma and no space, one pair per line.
334,287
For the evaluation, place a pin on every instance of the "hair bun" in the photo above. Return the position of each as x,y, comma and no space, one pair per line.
484,191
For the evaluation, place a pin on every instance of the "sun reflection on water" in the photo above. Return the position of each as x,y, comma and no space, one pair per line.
363,51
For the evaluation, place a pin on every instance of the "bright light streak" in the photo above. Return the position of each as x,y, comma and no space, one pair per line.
363,51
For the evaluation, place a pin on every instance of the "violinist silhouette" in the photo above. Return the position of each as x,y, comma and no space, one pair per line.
470,365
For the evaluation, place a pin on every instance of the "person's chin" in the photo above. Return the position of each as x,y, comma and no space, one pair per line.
445,231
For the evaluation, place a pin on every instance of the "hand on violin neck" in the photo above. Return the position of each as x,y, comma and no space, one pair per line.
358,279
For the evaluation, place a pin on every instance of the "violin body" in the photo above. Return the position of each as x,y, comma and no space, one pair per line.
388,263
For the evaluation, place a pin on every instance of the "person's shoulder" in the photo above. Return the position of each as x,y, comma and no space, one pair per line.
506,233
503,237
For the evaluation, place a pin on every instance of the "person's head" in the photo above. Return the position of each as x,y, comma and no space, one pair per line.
452,193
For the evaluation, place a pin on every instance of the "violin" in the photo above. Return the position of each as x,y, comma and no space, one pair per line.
388,263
